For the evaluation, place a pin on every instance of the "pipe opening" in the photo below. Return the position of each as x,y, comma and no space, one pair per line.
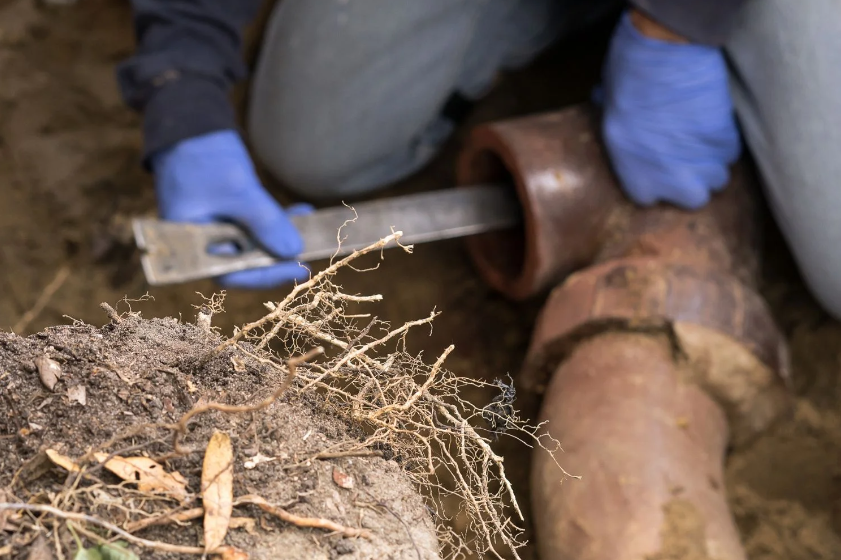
501,253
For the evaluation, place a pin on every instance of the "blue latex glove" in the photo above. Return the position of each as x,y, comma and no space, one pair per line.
669,125
211,178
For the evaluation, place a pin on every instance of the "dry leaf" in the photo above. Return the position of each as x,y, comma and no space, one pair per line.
34,468
246,523
40,550
230,553
6,550
79,394
217,484
149,475
342,480
48,370
65,463
256,460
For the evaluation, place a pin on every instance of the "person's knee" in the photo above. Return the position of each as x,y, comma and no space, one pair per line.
317,169
800,189
806,217
303,166
784,90
823,279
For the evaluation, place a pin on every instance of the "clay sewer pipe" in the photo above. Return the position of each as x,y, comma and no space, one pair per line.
653,353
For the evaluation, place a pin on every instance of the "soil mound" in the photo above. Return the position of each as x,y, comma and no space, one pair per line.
120,385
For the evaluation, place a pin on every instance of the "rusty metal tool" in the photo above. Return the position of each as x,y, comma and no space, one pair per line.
175,252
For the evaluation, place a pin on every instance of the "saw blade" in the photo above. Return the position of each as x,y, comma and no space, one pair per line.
175,252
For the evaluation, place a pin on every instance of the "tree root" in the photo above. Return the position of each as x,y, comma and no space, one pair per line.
277,511
180,427
84,518
299,521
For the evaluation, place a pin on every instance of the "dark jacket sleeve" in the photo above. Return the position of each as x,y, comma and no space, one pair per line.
188,56
700,21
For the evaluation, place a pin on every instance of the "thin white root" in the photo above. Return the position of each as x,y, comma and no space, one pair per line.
410,408
83,518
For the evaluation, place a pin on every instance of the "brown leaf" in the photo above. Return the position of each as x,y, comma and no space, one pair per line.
65,463
40,550
78,393
217,489
342,480
149,475
48,370
246,523
230,553
34,468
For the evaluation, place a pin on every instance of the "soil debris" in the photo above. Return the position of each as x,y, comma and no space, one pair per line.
783,529
120,428
342,480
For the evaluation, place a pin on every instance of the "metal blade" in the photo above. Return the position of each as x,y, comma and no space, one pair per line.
177,252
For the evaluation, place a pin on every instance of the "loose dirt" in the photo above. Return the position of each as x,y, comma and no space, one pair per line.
70,180
137,373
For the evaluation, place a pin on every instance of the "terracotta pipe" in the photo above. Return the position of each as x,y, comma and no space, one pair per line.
555,163
642,440
653,355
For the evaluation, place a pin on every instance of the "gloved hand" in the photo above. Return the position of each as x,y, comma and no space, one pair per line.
669,126
211,178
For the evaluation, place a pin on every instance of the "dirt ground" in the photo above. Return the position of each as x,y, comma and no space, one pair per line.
70,181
